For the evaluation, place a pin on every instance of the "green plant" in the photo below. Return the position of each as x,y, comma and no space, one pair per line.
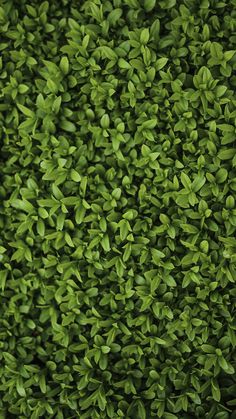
117,209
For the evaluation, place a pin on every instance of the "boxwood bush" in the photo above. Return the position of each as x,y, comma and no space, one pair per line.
117,209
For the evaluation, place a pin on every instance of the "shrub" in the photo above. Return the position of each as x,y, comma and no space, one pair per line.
117,210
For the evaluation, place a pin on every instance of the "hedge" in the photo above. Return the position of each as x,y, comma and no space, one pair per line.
117,209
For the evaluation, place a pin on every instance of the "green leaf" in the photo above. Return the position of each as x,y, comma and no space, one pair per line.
144,36
228,55
167,5
64,65
69,240
105,349
141,410
52,86
226,154
225,365
124,229
150,124
127,252
42,384
215,390
170,416
216,50
56,104
198,183
20,387
114,16
107,52
130,214
169,281
149,5
26,111
105,121
75,176
185,181
3,278
41,228
106,243
67,126
221,175
123,64
23,205
209,349
157,255
160,63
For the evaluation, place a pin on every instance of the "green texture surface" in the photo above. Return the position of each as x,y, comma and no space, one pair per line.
117,209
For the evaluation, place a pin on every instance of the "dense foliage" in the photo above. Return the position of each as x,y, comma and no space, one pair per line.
117,209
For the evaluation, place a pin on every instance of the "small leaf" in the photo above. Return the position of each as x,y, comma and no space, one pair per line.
198,183
221,175
67,126
42,384
114,16
144,37
215,390
226,154
20,387
26,111
160,63
106,243
75,176
107,52
157,255
3,278
64,65
185,180
41,228
123,64
150,124
149,5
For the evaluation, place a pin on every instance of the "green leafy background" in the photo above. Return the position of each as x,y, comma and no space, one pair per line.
117,209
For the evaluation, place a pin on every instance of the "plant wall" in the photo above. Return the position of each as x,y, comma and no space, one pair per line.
117,209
